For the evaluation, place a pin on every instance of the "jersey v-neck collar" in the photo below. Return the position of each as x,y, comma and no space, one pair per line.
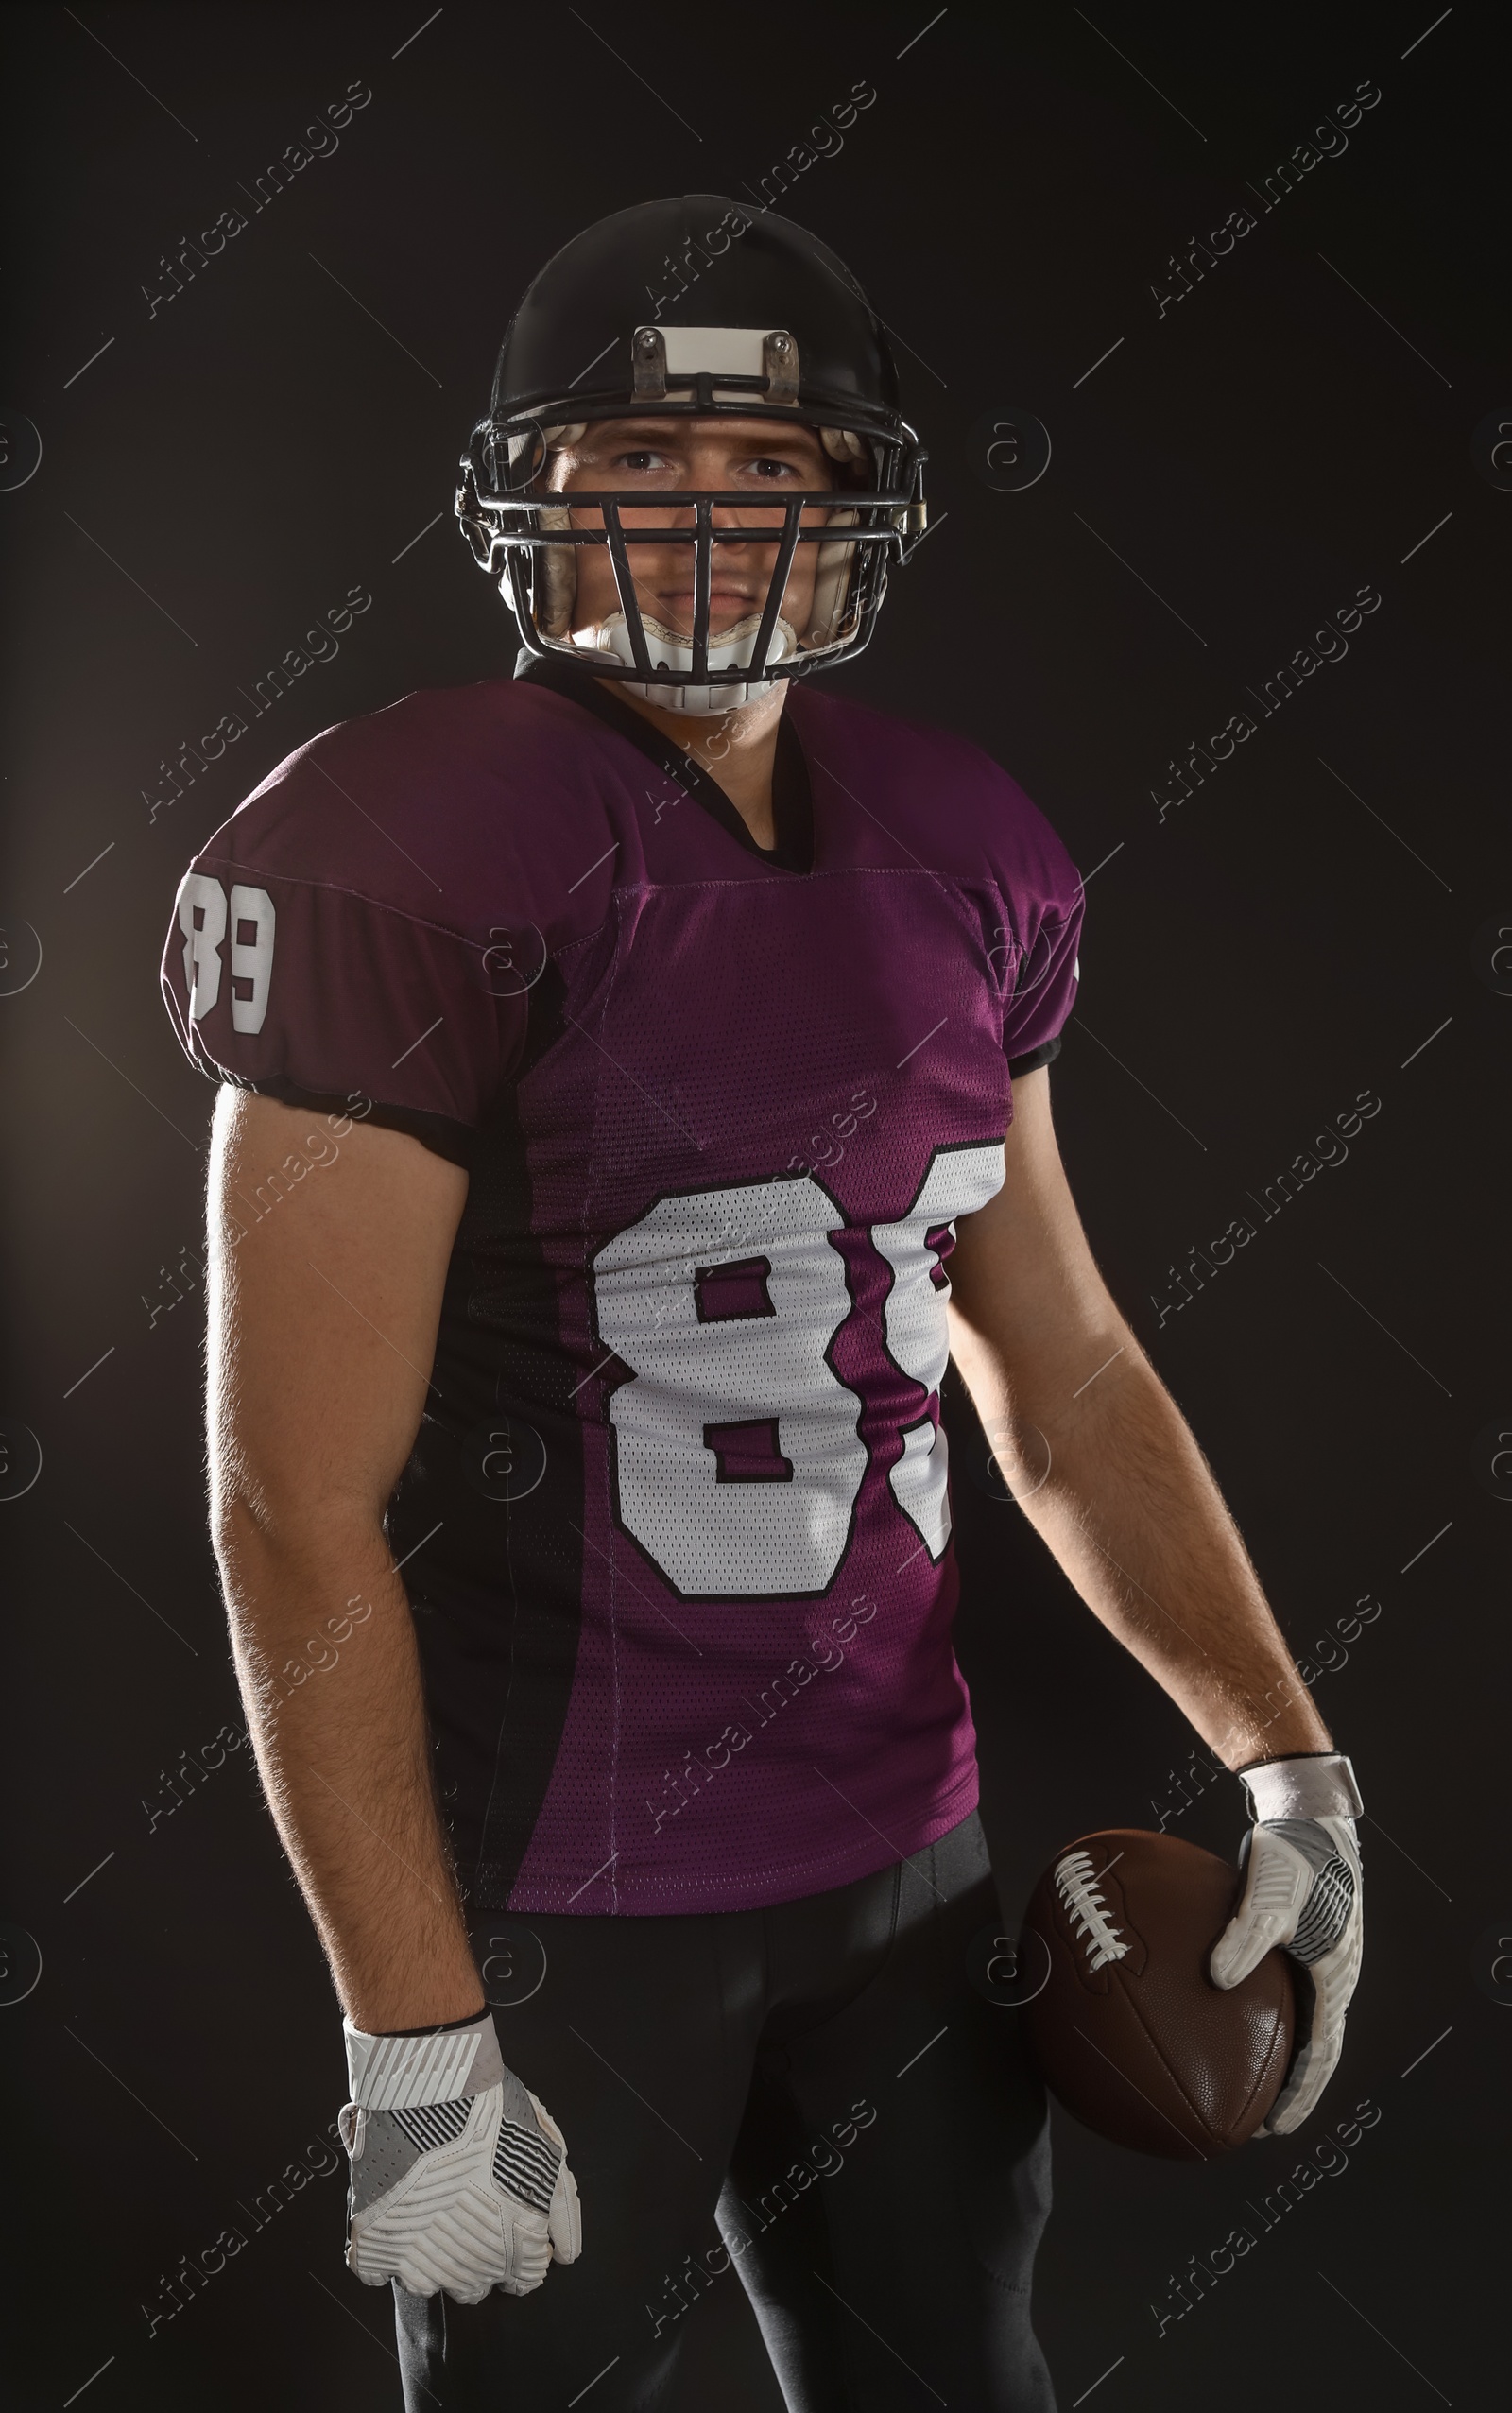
792,792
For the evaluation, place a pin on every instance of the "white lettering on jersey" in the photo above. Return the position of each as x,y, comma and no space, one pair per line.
202,918
252,960
958,1181
738,1455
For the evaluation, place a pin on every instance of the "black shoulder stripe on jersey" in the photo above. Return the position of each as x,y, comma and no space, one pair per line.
791,794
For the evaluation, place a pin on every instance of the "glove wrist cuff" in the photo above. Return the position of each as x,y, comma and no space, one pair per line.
395,2073
1313,1785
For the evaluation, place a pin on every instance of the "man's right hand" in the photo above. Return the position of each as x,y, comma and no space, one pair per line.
459,2177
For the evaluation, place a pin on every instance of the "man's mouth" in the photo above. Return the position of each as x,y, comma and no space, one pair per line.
726,604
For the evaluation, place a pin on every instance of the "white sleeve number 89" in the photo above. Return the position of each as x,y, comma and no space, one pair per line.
204,914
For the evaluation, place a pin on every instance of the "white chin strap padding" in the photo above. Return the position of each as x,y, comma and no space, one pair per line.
673,655
556,569
832,583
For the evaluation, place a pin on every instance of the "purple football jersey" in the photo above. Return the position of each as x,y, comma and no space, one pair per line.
676,1525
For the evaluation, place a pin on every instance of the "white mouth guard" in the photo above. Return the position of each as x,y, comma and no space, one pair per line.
673,654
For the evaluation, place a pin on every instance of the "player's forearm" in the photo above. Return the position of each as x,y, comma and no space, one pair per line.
325,1653
1131,1509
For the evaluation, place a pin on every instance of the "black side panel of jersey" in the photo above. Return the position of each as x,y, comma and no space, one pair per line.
498,1467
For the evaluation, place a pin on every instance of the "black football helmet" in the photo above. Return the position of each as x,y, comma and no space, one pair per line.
697,308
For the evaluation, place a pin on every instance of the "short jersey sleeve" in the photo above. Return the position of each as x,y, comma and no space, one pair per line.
1044,992
282,976
1041,904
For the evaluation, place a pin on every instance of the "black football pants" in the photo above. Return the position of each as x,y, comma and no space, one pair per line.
810,2101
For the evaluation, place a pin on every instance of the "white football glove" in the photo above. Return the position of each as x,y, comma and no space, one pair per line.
1302,1891
459,2177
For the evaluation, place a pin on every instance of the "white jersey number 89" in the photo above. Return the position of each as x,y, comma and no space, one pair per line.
204,914
739,1457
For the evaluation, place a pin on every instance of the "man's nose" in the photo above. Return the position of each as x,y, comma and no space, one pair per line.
767,517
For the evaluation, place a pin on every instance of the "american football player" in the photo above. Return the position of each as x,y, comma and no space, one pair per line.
635,1086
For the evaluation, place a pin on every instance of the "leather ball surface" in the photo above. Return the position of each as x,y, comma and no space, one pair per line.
1129,2030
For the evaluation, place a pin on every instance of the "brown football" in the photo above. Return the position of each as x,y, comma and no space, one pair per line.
1128,2028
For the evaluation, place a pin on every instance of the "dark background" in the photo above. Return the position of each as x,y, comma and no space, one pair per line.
1292,429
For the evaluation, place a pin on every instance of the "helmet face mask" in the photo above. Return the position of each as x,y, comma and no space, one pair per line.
829,370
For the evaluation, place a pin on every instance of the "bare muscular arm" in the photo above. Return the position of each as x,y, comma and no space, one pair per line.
1103,1463
324,1298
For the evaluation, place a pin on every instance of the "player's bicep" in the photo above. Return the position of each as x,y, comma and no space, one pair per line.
329,1247
1023,1282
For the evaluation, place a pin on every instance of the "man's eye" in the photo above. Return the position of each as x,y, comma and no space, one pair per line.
771,471
639,461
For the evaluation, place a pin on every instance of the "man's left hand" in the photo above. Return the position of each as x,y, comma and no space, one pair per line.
1301,1891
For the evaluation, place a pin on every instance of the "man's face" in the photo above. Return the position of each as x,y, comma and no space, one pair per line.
720,455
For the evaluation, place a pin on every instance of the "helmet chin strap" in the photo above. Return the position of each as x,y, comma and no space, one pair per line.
673,654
